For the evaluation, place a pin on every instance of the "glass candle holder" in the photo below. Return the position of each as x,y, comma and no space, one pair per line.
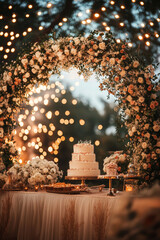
25,188
36,188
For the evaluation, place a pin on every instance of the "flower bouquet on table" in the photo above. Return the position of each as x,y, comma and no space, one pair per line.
35,172
115,163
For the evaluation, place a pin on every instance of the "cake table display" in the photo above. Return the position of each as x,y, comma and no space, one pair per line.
110,182
83,165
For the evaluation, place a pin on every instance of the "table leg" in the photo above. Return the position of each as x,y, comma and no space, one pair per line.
110,188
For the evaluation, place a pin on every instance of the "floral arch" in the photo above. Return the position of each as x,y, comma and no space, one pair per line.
121,72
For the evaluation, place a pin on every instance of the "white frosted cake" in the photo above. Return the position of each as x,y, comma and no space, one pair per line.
83,161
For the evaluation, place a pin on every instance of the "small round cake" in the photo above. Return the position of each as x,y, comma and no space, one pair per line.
111,169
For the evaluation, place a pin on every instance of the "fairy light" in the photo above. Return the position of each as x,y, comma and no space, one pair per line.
158,19
103,9
151,24
64,19
30,6
141,3
147,43
60,24
1,17
147,35
123,7
107,28
96,15
140,37
97,143
27,15
121,24
80,14
116,16
29,29
24,33
1,48
6,34
17,35
88,11
156,35
81,122
5,56
39,13
10,7
49,5
6,27
100,127
13,15
130,44
118,40
112,2
88,20
71,139
83,22
12,50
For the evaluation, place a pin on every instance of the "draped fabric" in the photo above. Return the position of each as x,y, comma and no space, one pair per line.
48,216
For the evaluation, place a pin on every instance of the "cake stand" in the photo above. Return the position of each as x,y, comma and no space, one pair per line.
110,182
82,178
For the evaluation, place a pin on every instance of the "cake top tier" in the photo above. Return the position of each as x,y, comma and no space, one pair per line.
83,148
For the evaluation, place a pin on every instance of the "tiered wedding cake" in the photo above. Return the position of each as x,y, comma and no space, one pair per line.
83,161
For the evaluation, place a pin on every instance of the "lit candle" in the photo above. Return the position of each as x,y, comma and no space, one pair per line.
25,188
36,188
129,188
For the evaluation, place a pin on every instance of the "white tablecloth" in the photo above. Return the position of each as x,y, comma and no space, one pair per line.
48,216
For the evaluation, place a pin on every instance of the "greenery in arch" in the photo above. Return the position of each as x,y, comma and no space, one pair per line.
121,72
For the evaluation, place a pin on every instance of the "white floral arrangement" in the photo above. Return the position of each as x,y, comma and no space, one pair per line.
113,160
35,172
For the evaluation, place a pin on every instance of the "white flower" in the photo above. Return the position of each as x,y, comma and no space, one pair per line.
4,88
45,170
154,96
1,132
24,61
27,75
112,61
133,129
144,166
135,64
95,47
146,126
127,111
1,123
140,80
144,145
77,41
102,46
156,128
141,99
158,150
49,177
130,133
123,73
147,135
66,52
129,98
38,54
12,150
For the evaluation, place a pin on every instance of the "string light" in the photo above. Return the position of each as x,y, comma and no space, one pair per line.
112,2
49,5
147,43
30,6
103,9
96,15
140,37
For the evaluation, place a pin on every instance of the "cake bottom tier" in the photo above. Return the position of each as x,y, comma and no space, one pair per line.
111,171
82,173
